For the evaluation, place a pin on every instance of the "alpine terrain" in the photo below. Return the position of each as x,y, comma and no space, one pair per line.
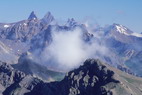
46,57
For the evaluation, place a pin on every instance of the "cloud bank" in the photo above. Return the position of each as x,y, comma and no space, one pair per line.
68,50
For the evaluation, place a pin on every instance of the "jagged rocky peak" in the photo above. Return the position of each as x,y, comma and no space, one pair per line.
71,22
48,18
92,78
32,16
94,67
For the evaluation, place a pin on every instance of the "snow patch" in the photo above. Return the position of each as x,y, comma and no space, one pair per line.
121,29
136,34
6,26
25,24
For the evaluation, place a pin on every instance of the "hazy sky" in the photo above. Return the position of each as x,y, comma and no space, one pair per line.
125,12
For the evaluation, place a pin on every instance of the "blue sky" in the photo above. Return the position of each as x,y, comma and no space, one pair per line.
125,12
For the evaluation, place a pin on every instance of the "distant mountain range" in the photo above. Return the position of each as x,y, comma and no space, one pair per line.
35,34
23,43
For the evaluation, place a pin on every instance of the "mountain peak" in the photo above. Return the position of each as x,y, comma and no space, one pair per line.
32,16
122,29
71,22
48,14
48,18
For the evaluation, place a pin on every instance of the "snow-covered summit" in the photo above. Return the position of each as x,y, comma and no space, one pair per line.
122,29
125,31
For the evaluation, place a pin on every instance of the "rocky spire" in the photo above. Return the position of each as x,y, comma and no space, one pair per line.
32,16
71,22
48,18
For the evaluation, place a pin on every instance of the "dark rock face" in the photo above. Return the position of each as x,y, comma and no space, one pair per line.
9,75
47,19
15,82
32,16
92,78
88,79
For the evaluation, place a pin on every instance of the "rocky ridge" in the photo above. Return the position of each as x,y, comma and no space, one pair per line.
93,77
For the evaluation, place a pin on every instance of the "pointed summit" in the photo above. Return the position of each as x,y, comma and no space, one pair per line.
32,16
48,15
48,18
122,29
71,22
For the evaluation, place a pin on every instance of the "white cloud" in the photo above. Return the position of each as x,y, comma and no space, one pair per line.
68,50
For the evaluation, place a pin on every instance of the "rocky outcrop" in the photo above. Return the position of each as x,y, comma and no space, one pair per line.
92,78
15,82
